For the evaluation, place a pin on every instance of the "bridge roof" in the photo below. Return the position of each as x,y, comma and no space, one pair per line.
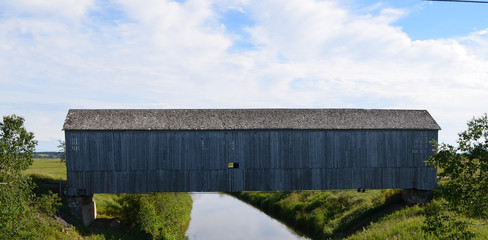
247,119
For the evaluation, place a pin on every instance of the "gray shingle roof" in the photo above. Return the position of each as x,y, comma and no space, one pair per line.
247,119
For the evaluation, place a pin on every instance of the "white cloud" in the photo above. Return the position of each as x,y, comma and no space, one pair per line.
65,8
368,57
164,54
188,29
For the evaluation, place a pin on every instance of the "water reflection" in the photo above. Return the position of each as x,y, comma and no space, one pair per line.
220,216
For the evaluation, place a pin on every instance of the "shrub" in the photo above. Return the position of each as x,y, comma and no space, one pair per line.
465,167
20,212
443,224
163,215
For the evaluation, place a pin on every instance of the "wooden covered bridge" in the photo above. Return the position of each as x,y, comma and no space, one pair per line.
227,150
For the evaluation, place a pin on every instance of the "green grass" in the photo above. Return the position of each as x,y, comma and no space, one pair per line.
106,202
321,214
402,224
46,173
161,215
50,168
407,224
376,214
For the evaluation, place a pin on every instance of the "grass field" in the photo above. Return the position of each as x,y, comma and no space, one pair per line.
50,168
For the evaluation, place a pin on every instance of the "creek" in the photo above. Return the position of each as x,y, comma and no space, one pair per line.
221,216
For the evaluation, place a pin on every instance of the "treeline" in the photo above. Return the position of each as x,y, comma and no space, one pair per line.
47,155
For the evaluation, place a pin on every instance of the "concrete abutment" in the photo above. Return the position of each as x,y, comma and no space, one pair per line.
83,207
414,196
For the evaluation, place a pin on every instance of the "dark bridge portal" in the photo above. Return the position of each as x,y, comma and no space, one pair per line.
209,150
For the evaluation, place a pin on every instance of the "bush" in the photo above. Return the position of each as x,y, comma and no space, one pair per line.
444,224
48,203
465,187
21,213
163,215
15,212
465,169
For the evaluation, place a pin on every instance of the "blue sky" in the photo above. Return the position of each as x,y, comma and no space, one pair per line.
63,54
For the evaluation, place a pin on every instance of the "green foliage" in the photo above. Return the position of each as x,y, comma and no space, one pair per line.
16,149
16,145
466,169
465,185
401,224
21,213
62,151
444,224
45,172
15,212
321,214
163,215
47,203
432,221
107,204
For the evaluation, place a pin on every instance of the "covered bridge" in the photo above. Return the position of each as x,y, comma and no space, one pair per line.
209,150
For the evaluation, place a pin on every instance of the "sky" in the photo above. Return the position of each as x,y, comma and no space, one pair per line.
57,55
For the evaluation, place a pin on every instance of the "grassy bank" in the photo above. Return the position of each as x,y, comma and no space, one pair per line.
120,216
322,214
376,214
408,223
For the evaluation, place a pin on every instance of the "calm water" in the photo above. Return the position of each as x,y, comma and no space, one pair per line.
220,216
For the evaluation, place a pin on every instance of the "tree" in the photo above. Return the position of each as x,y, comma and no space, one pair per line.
19,207
466,169
16,151
16,145
62,151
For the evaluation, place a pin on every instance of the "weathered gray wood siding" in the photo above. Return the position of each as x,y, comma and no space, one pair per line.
197,161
